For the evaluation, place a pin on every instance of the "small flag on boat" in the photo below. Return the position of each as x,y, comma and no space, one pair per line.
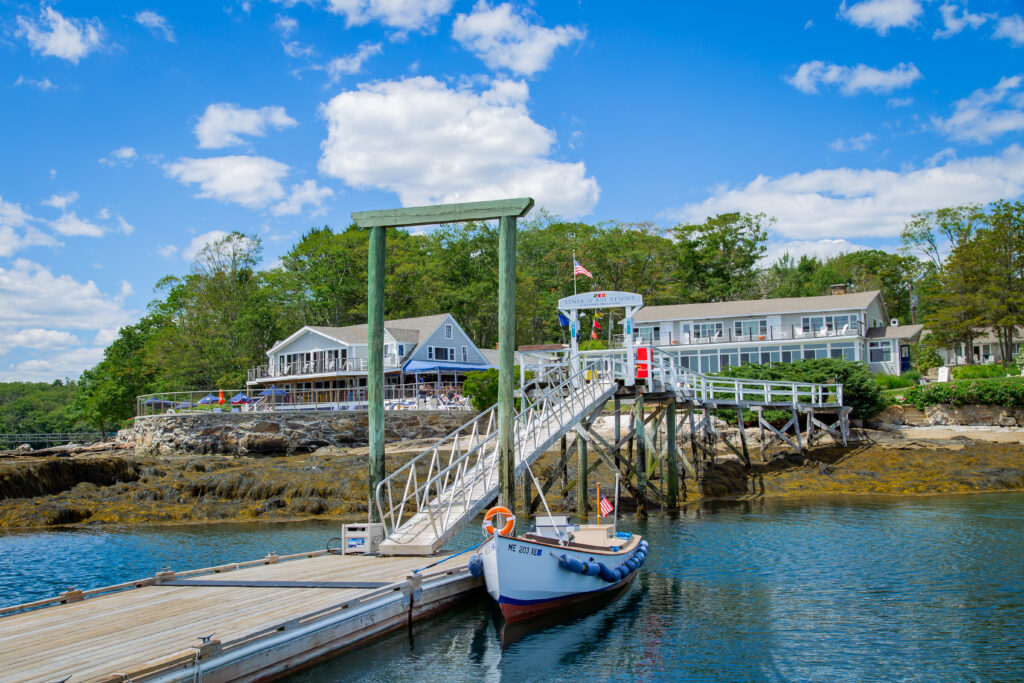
580,270
604,507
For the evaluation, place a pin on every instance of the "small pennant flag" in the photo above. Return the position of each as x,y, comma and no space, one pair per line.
580,270
605,507
563,321
597,325
220,398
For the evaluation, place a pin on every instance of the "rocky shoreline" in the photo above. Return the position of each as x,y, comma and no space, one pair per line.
100,484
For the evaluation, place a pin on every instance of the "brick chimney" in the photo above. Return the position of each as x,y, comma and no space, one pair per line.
839,289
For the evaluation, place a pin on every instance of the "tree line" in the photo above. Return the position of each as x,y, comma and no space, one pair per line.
205,329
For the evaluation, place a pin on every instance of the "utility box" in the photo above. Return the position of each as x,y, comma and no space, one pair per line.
361,539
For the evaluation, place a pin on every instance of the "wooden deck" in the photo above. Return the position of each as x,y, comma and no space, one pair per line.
258,630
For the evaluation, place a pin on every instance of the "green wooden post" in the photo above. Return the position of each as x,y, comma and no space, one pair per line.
672,465
506,360
581,474
641,458
375,361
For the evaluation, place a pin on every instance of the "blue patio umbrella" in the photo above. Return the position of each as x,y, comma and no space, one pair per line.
273,391
158,402
208,399
184,404
240,398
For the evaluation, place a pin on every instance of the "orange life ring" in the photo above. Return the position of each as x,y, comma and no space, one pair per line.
510,521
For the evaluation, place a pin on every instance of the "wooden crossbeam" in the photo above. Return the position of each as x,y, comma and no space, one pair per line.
600,446
777,434
443,213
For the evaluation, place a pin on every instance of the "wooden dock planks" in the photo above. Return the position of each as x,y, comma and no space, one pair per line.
121,632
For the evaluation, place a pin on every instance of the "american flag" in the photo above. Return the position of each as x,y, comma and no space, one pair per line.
580,270
604,507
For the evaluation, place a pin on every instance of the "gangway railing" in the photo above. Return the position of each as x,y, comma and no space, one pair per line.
426,501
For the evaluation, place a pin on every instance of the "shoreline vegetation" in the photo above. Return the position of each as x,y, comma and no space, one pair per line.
118,487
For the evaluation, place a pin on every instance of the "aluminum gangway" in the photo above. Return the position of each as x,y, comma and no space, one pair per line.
425,502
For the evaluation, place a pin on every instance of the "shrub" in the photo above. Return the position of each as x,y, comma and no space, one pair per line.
894,381
482,388
912,376
860,390
978,371
1007,392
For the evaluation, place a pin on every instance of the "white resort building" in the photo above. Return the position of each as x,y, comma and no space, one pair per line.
424,358
710,337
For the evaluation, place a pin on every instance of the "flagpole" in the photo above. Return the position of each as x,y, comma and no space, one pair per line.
615,523
599,502
574,272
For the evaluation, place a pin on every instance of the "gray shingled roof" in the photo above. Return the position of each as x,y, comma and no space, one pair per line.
727,309
894,332
405,330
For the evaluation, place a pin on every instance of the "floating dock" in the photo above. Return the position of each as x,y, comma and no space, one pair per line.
246,621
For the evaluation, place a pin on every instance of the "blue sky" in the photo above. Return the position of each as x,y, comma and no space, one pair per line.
133,133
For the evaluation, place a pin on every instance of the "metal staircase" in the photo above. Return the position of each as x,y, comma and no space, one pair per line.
426,501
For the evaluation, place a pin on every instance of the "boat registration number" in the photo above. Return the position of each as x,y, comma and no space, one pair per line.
524,549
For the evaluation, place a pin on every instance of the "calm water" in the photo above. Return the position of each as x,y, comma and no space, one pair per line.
919,589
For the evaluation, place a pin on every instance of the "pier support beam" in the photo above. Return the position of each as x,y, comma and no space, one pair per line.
671,464
641,458
375,362
581,472
506,347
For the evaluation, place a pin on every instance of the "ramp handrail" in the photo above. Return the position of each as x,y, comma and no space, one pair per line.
460,485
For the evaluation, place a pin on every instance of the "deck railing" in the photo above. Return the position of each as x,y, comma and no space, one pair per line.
53,439
319,366
256,399
728,335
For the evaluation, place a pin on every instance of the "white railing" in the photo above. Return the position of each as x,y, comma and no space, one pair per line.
428,499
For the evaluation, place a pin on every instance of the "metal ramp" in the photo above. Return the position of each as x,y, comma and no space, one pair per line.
425,502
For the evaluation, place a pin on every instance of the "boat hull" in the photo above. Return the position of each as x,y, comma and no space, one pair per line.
526,580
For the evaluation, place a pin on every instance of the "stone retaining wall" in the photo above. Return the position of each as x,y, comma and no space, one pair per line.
945,414
275,433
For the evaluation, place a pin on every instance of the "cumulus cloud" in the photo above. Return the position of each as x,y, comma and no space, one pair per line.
61,201
822,249
156,23
70,225
855,144
124,226
306,193
167,251
882,15
986,114
250,181
956,18
1011,28
432,144
57,36
53,366
353,63
121,155
852,79
42,84
286,25
504,39
825,203
38,338
200,241
222,123
16,231
897,102
406,15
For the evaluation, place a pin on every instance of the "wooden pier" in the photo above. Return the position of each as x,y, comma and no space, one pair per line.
247,621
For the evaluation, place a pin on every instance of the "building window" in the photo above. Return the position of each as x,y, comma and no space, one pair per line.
465,354
401,350
649,334
846,351
880,351
750,328
447,331
836,324
707,330
812,351
729,358
430,352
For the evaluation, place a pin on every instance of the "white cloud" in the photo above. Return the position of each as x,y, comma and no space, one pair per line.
856,144
897,102
104,214
986,114
200,241
70,225
1011,28
38,338
351,64
12,215
286,25
505,40
306,193
954,24
16,232
167,251
222,123
809,24
431,144
69,39
407,15
125,227
881,15
121,155
156,23
53,366
61,201
852,79
822,249
43,84
826,203
53,173
295,49
250,181
105,337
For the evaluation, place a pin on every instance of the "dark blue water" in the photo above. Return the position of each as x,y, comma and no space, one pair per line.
915,589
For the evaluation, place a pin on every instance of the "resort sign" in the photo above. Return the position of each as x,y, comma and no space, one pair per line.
600,300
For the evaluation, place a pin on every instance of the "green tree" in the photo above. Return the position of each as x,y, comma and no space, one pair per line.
715,260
